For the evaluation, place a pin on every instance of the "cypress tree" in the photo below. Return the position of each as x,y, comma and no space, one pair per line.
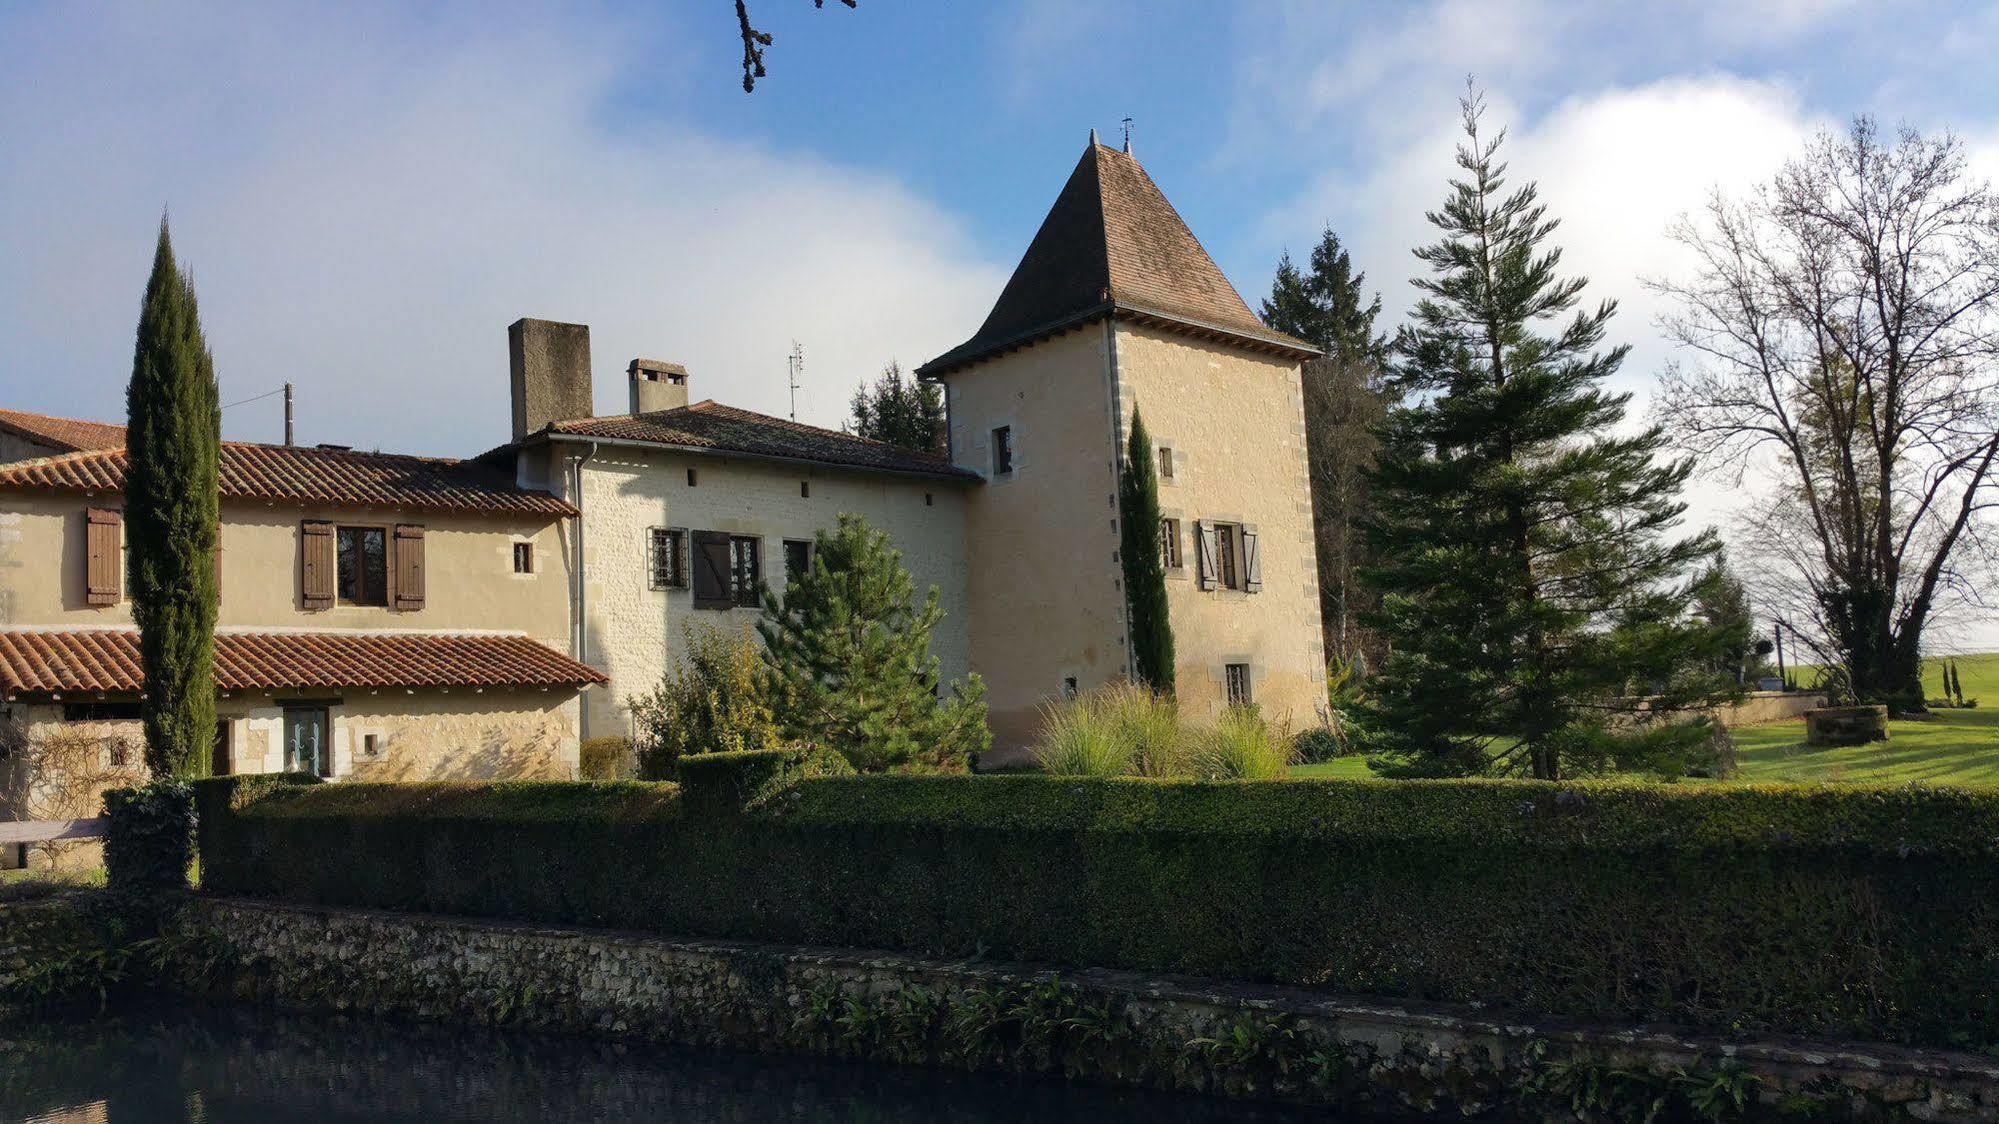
1144,569
849,654
171,446
1530,594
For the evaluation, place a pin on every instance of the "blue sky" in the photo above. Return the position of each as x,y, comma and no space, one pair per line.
368,194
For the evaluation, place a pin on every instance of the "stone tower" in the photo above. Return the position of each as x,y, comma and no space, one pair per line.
1114,307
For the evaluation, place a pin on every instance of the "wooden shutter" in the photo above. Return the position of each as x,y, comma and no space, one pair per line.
103,565
1252,566
711,571
317,569
1204,541
409,567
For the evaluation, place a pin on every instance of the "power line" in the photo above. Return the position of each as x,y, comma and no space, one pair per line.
258,398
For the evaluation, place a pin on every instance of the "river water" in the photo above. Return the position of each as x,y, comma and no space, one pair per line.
180,1063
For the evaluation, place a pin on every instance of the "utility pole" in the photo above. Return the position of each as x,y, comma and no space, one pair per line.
1777,630
288,413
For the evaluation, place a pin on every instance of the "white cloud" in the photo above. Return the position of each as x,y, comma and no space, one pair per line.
367,201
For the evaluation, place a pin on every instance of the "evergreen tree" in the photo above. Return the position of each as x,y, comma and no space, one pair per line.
1530,592
1722,603
1346,398
849,653
901,411
171,441
1144,567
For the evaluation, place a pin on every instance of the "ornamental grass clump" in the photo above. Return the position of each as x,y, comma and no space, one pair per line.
1080,738
1147,725
1239,746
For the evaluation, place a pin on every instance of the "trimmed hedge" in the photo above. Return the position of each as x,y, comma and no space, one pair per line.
1855,912
149,843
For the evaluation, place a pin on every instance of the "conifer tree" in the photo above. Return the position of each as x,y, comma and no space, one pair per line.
1144,568
849,652
901,411
172,445
1346,398
1530,591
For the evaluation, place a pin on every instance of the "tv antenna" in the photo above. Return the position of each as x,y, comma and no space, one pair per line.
795,363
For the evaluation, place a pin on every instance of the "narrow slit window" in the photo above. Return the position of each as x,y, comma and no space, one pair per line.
1165,463
1003,451
523,559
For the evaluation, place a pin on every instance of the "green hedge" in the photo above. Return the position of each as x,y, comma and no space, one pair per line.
1853,912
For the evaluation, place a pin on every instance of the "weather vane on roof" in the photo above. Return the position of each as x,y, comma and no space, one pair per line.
1127,135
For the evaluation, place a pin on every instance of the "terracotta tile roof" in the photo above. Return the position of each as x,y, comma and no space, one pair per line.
66,435
710,427
107,660
309,475
1112,244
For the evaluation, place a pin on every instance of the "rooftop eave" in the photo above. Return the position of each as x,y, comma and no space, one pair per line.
1274,343
944,475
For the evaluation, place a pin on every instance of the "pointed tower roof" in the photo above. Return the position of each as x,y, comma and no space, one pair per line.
1113,246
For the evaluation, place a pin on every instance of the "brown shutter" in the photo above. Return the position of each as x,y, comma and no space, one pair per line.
409,567
317,569
1252,565
103,551
1204,542
711,571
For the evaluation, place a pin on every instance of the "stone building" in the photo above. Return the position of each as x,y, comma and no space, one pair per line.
603,538
381,616
1115,308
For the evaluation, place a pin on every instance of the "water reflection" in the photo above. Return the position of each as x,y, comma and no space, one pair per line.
225,1064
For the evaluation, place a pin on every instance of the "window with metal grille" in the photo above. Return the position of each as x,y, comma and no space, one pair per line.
1236,677
666,560
1169,543
797,558
745,570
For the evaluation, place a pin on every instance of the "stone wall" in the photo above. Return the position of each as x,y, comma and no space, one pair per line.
33,933
1115,1027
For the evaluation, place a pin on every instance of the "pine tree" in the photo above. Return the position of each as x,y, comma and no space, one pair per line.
1144,568
1529,590
901,411
849,651
1345,399
171,441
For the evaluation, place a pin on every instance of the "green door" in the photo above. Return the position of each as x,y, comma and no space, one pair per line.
307,748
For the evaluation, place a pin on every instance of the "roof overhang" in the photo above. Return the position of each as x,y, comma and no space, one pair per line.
555,437
1273,343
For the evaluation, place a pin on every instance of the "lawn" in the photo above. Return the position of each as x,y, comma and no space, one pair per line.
1955,747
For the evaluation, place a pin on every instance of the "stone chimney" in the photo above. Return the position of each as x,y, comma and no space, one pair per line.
551,372
657,386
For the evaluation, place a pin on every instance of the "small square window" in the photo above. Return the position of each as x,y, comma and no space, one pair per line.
797,558
523,559
1236,677
1003,451
1165,463
371,745
1169,543
692,479
1069,687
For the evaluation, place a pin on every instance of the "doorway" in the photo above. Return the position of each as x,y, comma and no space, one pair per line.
308,742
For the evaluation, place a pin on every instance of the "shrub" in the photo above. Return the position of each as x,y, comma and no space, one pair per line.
1239,746
717,701
1696,904
1319,743
149,843
606,759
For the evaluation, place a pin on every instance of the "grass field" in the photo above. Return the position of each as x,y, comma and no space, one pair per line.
1955,747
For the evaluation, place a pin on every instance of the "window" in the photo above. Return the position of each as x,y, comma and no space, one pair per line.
1069,687
363,561
805,489
371,745
666,560
1235,677
1003,451
797,558
523,558
1169,543
1226,535
928,499
1165,463
745,570
691,478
